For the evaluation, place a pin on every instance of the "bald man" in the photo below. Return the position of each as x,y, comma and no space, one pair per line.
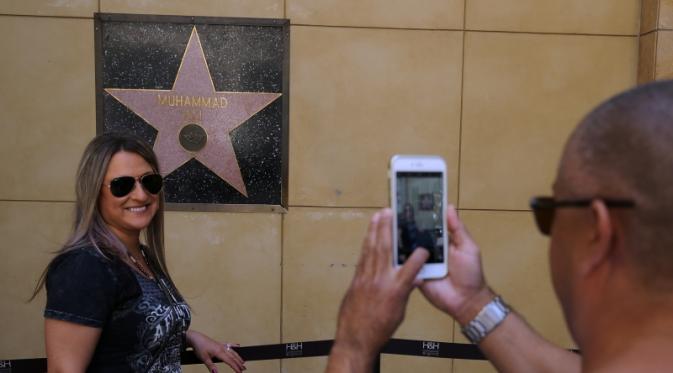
611,257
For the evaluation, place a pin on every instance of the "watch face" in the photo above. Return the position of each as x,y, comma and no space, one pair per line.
488,318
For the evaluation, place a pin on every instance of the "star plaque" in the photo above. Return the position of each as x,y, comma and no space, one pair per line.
210,95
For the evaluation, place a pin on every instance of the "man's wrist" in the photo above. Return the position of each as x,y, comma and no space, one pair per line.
489,318
350,358
472,306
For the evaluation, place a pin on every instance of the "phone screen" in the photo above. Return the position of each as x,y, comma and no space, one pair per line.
420,221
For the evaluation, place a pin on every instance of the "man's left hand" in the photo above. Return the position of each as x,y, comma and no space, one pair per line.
374,305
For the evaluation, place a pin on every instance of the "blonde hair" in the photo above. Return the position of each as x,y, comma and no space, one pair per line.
89,228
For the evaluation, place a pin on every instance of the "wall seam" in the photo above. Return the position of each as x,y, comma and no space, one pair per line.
35,201
282,244
460,141
656,54
282,276
293,206
460,122
647,33
380,207
339,207
44,16
640,18
466,30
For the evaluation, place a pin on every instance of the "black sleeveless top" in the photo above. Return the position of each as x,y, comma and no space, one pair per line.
143,321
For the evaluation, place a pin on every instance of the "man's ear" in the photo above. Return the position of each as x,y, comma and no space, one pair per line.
602,237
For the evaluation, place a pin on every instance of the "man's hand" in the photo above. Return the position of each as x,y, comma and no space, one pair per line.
374,305
463,292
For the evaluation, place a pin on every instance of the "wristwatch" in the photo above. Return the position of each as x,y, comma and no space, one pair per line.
486,320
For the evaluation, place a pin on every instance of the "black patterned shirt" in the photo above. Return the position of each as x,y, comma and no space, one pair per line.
143,321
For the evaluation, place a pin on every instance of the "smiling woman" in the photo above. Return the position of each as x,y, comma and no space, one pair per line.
128,214
111,303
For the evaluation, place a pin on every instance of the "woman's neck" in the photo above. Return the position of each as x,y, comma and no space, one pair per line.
130,239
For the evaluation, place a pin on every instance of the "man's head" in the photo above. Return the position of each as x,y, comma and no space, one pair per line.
623,149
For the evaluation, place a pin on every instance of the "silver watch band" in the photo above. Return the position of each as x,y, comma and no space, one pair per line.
486,320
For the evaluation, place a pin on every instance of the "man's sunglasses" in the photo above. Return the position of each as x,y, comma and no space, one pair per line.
123,185
544,208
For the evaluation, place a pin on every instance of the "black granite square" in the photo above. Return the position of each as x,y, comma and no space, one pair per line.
144,52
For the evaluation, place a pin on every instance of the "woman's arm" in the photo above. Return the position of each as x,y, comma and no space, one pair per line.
206,349
69,345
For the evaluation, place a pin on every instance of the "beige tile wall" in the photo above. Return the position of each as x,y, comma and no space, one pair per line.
210,8
611,17
649,15
361,95
647,49
493,86
433,14
523,94
664,60
666,14
229,273
656,41
71,8
656,15
647,52
320,251
30,232
47,93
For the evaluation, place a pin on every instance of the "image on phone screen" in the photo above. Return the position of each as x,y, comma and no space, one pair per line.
419,214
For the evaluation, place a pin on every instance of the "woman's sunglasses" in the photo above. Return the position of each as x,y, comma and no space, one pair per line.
544,208
123,185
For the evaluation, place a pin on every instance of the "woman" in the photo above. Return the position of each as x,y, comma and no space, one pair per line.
111,304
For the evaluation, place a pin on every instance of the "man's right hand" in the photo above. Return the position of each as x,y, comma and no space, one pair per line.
463,293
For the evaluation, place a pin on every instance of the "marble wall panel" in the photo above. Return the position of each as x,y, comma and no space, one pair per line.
523,94
432,14
612,17
649,15
228,268
647,57
210,8
360,96
664,64
70,8
47,100
31,232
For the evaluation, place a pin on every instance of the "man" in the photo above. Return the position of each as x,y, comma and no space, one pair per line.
611,258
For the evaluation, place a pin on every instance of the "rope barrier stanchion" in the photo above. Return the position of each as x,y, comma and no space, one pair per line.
272,352
433,349
295,350
23,365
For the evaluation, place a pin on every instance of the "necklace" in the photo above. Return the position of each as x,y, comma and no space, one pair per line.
140,268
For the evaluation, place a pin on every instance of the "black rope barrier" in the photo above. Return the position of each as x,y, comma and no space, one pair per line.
295,350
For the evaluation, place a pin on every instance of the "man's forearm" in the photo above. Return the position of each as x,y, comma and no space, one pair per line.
514,346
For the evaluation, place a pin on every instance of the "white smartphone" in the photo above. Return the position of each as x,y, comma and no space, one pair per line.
418,201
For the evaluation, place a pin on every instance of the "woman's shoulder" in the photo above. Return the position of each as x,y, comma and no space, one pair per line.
87,255
85,262
83,285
